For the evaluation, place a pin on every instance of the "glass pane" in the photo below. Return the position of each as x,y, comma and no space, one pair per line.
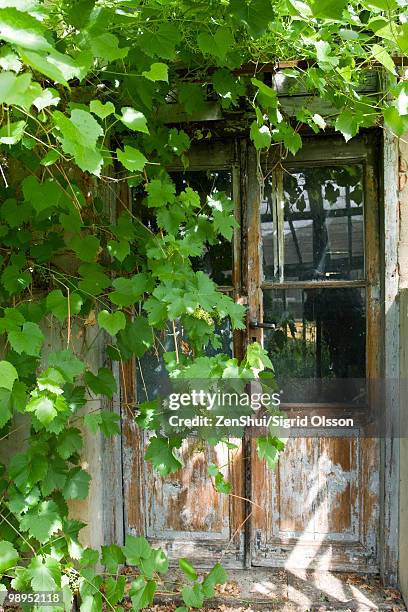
216,260
152,376
319,333
322,221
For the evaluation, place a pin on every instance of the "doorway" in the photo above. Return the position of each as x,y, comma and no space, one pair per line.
306,261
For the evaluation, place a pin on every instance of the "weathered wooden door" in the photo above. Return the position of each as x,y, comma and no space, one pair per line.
306,260
182,512
313,242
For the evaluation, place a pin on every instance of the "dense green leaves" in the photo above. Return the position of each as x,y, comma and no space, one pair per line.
87,92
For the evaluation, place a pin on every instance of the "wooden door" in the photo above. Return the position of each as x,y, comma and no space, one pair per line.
317,281
182,512
319,508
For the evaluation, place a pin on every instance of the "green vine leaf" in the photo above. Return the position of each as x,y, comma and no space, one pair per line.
27,470
113,322
102,384
135,549
193,596
42,521
142,593
261,136
188,569
66,362
27,340
129,290
131,158
8,556
86,247
381,55
107,46
101,110
106,422
161,41
268,449
12,133
43,408
119,249
78,136
160,193
255,14
45,573
57,303
69,442
134,120
161,454
217,44
112,556
76,485
23,30
157,72
137,336
8,374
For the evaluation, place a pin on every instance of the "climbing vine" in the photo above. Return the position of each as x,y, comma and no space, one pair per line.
85,86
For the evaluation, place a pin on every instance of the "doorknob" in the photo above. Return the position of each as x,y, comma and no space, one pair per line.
254,324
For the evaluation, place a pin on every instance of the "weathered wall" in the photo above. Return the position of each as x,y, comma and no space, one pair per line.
102,511
403,269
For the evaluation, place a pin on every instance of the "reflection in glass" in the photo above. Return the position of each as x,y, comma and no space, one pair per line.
319,333
323,227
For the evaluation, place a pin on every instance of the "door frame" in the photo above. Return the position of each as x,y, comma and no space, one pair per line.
244,169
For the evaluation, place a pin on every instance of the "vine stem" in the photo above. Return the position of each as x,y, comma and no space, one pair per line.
175,340
17,532
69,316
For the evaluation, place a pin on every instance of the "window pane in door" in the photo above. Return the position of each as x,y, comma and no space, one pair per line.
323,224
319,334
216,261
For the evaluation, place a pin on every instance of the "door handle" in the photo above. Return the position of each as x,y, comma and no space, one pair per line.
254,324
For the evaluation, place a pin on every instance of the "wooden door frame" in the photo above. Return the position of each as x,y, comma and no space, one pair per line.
249,192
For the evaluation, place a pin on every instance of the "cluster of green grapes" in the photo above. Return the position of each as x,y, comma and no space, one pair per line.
74,579
202,314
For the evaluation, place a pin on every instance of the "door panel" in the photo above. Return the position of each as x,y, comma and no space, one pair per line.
182,512
318,274
312,508
187,517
